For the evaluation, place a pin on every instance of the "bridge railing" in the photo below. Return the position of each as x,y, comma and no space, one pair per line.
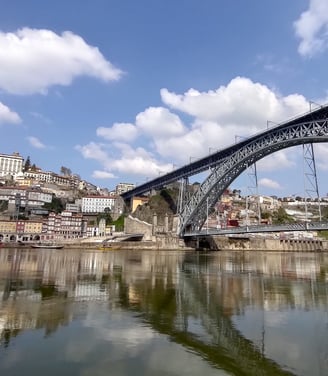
252,229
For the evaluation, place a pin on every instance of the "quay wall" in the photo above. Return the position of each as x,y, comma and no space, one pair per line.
172,242
136,226
263,244
216,243
161,238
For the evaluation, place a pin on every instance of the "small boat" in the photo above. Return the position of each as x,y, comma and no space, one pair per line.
47,245
108,246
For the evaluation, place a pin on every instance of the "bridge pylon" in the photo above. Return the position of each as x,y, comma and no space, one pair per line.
227,164
184,196
311,188
253,190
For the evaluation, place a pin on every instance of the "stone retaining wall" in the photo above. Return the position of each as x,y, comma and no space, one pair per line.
135,226
263,244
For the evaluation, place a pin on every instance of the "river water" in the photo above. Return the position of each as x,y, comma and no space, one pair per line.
85,312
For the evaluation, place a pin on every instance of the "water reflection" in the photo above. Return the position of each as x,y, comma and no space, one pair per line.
243,313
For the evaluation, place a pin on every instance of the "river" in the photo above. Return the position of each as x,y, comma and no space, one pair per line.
84,312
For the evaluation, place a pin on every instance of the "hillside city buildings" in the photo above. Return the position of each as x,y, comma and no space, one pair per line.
25,197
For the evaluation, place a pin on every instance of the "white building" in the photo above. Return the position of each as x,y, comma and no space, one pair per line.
74,208
97,204
24,198
10,193
49,177
10,164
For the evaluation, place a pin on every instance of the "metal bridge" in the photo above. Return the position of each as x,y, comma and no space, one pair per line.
302,226
227,164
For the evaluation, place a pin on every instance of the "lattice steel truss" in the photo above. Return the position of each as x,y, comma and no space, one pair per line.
184,194
227,169
311,188
253,191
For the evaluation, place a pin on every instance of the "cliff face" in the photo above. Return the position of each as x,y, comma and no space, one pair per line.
162,204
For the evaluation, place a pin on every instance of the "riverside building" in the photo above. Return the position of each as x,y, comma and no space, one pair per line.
11,164
97,204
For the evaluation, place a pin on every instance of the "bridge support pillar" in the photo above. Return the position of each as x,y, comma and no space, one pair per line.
154,223
166,223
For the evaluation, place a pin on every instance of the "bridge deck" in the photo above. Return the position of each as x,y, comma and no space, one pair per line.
205,163
309,226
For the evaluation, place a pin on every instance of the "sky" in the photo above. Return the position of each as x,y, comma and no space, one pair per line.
126,90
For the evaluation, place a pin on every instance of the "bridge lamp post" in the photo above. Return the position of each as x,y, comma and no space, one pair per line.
271,122
316,105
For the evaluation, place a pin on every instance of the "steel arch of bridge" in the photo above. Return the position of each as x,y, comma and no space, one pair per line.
227,164
195,211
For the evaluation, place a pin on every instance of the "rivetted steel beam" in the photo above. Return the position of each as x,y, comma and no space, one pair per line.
227,164
214,159
195,211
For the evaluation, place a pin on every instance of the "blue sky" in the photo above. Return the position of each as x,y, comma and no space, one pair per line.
123,91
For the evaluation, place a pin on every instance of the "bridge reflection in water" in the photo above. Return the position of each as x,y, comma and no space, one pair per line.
196,300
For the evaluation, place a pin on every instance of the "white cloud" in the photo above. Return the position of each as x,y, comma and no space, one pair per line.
282,159
102,175
242,102
321,156
138,161
140,166
8,116
32,60
93,151
312,28
268,183
219,118
125,132
159,122
268,63
231,112
40,117
35,142
133,161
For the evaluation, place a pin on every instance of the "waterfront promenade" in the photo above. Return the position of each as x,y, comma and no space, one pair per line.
212,243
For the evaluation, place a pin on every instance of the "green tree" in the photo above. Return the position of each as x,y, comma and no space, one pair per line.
56,205
33,167
27,164
106,215
119,223
280,216
265,215
3,205
324,213
65,171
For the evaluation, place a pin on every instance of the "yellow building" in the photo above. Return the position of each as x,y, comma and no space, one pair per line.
136,201
8,227
23,227
33,227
